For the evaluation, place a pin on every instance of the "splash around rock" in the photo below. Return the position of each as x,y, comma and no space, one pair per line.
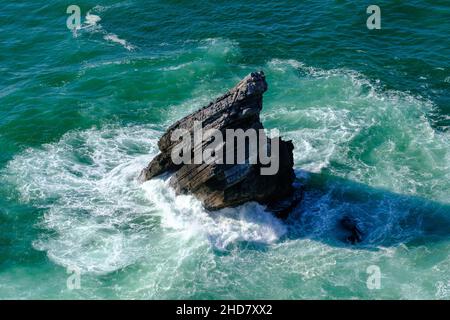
239,167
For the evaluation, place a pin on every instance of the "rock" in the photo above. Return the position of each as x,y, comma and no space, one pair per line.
220,185
350,224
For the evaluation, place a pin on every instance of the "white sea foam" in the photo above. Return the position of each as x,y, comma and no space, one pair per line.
340,116
114,38
176,67
98,218
91,25
86,183
91,20
343,124
246,223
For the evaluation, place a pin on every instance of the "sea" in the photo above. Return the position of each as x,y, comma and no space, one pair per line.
81,112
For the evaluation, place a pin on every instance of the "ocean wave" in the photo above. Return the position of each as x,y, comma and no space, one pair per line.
340,118
87,184
100,219
246,223
178,64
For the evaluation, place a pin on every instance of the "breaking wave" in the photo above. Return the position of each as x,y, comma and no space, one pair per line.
359,150
101,219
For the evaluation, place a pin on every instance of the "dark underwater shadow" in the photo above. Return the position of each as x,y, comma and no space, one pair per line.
385,218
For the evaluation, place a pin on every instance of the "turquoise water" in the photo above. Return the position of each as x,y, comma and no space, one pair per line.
80,116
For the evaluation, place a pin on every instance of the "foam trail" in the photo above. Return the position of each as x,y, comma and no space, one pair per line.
91,24
114,38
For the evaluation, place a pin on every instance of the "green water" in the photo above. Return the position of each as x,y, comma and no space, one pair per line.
80,116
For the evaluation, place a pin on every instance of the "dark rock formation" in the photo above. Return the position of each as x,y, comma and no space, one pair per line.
350,224
223,185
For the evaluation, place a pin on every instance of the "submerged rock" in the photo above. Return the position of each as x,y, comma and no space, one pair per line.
220,185
350,224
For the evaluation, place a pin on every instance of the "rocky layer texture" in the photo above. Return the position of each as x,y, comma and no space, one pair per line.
224,185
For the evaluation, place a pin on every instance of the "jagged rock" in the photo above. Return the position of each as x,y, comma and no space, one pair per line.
223,185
